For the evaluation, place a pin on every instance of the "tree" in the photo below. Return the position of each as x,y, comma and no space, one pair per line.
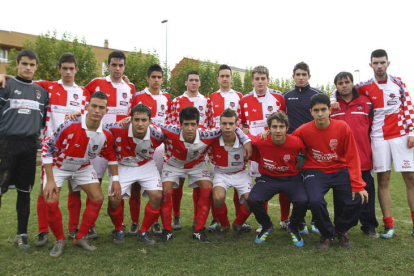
247,82
49,49
327,89
237,84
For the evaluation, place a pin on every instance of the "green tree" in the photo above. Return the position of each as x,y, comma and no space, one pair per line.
247,81
327,89
237,83
49,49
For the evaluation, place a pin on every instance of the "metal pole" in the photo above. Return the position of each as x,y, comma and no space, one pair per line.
166,45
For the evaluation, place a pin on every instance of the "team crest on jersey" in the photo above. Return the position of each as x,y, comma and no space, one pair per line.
286,158
38,94
232,104
333,144
124,95
196,152
75,96
162,107
236,157
144,151
200,108
270,108
95,147
359,107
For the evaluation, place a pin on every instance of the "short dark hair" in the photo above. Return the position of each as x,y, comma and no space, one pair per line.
116,54
154,68
303,66
189,113
224,67
99,95
228,113
29,54
343,75
141,108
191,73
379,53
319,98
67,57
260,70
278,116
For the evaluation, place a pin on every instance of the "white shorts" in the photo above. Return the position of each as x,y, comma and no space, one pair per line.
241,181
384,152
254,169
159,157
85,176
100,165
146,175
198,172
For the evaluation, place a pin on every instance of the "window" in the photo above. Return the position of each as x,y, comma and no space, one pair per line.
4,54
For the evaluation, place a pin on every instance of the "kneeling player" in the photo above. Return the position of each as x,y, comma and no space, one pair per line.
186,150
135,148
66,155
277,166
227,154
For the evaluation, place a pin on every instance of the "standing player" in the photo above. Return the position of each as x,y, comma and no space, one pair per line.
297,108
23,107
227,156
159,102
391,134
332,162
135,148
357,111
224,98
255,108
119,102
66,155
279,174
186,150
191,97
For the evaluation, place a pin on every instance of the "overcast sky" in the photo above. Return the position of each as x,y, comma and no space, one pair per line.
331,36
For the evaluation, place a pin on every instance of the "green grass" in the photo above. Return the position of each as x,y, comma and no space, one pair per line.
185,256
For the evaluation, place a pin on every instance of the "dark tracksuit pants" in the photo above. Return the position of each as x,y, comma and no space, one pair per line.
267,186
317,184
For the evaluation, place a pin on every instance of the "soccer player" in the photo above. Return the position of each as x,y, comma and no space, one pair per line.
227,156
391,134
66,155
255,108
279,174
191,97
135,148
23,108
297,108
159,102
332,162
357,111
186,150
119,103
222,99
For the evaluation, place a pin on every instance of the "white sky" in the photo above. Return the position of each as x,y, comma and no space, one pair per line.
331,36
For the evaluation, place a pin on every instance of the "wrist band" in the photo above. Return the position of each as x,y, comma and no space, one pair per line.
115,178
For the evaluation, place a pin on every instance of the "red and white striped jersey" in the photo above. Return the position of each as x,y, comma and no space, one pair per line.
72,145
393,108
202,103
255,110
227,159
63,100
185,155
221,101
159,104
131,151
119,97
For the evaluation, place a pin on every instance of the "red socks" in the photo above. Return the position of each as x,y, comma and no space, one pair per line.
90,215
42,215
222,216
244,213
117,216
236,202
177,195
74,208
135,207
150,217
203,208
166,209
55,220
388,221
196,197
284,207
412,217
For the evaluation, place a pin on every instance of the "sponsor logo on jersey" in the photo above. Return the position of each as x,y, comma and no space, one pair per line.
17,92
293,98
74,103
270,108
123,103
196,152
95,147
75,96
236,157
232,104
236,163
286,158
24,111
333,144
38,94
